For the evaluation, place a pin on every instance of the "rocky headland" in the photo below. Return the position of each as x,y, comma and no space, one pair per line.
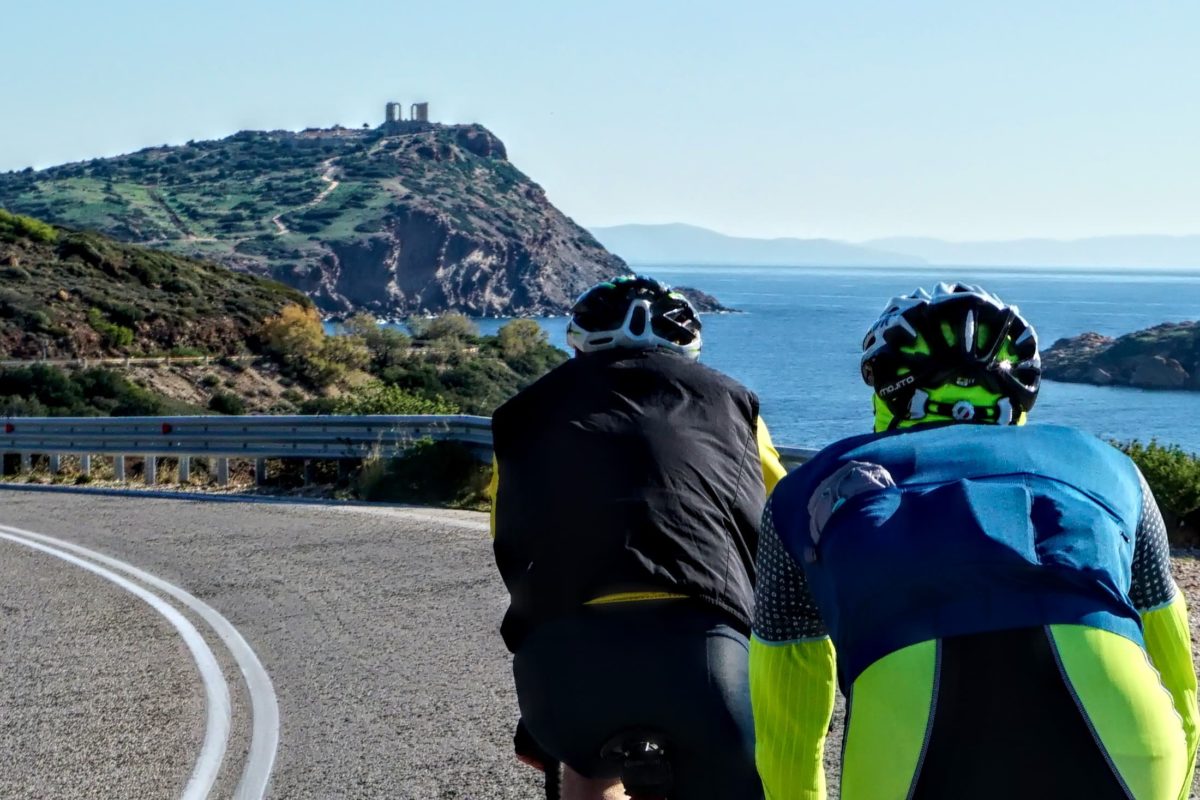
1166,356
419,220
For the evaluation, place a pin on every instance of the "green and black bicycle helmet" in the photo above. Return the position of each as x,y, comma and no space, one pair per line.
959,354
637,312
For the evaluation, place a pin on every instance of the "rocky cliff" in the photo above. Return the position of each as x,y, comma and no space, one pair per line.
429,219
1166,356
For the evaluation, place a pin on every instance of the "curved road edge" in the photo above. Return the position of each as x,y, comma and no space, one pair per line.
264,739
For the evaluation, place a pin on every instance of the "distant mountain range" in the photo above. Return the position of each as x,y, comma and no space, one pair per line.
688,244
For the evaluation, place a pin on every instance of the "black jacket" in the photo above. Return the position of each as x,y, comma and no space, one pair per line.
625,471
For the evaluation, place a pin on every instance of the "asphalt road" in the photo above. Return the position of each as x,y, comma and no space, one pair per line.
377,627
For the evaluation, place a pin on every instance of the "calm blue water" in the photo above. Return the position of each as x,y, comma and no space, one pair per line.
798,343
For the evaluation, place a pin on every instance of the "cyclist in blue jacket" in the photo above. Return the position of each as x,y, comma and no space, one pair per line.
999,597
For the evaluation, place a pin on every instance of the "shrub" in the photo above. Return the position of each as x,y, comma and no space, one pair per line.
227,403
450,326
380,398
15,226
436,473
116,336
1173,476
43,390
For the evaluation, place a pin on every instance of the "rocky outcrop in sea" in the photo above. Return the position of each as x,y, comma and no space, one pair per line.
1166,356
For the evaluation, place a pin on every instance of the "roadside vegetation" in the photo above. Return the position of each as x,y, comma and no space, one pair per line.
72,294
46,391
1174,477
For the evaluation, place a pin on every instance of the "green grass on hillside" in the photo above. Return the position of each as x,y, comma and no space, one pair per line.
70,293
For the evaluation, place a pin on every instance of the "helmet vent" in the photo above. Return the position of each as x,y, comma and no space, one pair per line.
637,323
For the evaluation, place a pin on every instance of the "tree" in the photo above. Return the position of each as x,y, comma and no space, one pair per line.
388,346
519,337
295,334
297,337
451,326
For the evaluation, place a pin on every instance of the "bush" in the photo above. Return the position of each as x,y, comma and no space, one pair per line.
380,398
227,403
432,473
450,326
15,226
115,336
1173,476
43,390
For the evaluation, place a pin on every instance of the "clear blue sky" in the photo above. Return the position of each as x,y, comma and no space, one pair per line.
952,118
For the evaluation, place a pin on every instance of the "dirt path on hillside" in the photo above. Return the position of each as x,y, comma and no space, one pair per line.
327,176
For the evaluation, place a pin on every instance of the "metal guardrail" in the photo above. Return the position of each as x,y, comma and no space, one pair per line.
247,437
295,436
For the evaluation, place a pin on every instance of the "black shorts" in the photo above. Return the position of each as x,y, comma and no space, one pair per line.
673,666
1007,725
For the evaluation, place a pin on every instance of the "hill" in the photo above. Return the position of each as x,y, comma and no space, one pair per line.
67,294
1163,357
417,219
690,245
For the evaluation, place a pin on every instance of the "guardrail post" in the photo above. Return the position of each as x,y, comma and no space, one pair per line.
85,465
26,462
55,463
260,471
222,471
151,470
185,469
309,472
119,467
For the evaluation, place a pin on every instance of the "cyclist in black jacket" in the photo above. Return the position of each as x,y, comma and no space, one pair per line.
628,490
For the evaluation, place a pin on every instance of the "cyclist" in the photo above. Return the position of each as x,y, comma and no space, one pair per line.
629,487
1000,597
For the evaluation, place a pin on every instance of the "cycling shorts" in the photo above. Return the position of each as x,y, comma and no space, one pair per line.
673,666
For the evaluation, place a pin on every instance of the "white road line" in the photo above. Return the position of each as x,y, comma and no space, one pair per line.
216,734
264,737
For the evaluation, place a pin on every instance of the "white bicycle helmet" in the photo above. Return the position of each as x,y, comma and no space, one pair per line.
636,312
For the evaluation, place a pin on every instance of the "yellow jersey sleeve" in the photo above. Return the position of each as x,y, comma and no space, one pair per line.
791,692
493,486
772,468
1169,645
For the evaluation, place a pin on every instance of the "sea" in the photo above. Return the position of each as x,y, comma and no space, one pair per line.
797,340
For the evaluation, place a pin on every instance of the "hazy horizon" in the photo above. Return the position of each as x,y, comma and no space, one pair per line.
961,122
893,236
